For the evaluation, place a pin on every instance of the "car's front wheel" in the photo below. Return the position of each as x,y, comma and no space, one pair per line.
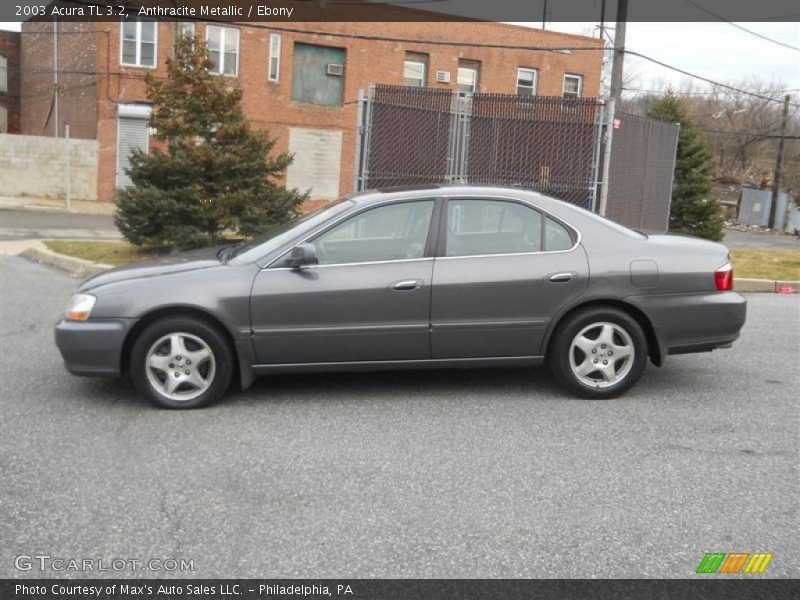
599,353
181,362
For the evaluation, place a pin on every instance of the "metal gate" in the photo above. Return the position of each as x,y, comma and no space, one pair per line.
557,146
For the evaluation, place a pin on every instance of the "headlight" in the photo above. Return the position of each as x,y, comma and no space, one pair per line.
80,307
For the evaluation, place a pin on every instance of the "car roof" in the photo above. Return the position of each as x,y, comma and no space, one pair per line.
420,191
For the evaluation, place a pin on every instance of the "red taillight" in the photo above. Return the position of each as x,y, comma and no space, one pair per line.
723,277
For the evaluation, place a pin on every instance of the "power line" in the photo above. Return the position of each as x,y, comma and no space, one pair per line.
759,136
724,20
706,79
709,93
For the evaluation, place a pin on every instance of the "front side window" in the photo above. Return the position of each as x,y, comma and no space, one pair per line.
526,81
393,232
139,40
223,46
573,86
477,227
415,69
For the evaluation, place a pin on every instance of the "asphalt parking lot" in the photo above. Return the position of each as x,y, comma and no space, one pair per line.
431,474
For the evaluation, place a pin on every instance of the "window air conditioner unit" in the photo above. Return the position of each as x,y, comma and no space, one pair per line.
334,69
443,76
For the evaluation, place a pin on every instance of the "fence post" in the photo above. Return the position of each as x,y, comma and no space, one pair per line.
359,136
68,198
608,137
672,176
369,103
598,144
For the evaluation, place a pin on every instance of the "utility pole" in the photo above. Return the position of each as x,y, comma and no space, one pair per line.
776,180
544,16
619,50
55,77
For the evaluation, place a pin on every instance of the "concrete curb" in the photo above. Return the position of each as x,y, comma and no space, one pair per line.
76,266
762,285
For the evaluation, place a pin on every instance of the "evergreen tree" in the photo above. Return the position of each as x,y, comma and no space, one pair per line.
209,172
692,211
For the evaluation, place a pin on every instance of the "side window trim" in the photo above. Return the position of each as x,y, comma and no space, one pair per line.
427,254
441,243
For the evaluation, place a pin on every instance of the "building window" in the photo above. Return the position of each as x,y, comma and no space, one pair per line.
415,69
527,79
318,74
185,29
139,41
223,46
3,74
274,56
468,74
573,86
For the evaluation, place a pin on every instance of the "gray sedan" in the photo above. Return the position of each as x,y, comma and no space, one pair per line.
427,277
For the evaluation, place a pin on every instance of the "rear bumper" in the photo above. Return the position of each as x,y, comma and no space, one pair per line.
92,347
698,322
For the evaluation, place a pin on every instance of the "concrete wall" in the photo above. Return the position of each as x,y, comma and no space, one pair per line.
36,167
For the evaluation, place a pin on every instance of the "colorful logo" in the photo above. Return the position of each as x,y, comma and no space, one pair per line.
736,562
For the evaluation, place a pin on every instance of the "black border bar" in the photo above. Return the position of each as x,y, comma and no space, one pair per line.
534,11
711,588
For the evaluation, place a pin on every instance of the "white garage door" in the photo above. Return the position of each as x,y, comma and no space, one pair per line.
132,135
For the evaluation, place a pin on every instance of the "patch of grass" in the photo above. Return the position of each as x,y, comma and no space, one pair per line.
110,253
780,265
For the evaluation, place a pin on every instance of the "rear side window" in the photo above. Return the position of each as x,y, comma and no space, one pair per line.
477,227
556,236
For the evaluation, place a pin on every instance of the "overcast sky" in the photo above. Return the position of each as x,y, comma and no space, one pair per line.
718,51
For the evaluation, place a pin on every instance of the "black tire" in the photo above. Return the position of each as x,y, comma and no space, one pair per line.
215,340
558,355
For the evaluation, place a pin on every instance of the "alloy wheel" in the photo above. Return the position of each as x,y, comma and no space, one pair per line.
601,355
180,366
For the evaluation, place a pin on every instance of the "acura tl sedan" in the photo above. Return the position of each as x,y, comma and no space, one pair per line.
425,277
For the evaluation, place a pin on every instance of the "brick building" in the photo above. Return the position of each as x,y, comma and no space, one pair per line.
9,82
301,81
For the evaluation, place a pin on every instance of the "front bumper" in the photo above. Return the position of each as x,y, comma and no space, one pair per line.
92,347
694,322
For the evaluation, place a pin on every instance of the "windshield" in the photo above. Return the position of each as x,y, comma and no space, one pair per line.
281,234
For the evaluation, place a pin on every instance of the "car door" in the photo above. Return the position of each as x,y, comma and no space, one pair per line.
502,271
367,299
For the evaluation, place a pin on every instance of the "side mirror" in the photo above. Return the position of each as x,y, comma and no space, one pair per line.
302,255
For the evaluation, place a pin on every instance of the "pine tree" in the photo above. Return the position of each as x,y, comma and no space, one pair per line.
692,211
209,172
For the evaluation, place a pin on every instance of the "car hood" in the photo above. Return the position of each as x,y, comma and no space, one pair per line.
172,263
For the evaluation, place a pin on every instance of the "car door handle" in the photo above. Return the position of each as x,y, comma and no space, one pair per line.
407,285
560,278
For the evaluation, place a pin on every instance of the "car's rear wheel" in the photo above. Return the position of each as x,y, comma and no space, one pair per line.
181,362
598,353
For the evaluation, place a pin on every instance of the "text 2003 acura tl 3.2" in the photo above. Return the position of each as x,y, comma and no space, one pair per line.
409,278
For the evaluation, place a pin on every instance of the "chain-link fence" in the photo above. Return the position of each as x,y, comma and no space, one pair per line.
541,143
640,171
554,145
